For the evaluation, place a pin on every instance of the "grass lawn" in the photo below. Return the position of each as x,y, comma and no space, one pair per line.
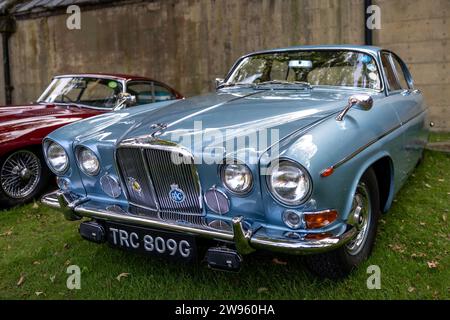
412,250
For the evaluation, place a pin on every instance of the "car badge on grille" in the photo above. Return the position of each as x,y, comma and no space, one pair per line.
160,126
134,184
176,194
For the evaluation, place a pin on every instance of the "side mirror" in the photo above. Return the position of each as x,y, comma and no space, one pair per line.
219,82
362,101
124,100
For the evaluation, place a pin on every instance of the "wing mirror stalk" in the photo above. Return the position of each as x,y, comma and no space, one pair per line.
219,82
125,100
362,101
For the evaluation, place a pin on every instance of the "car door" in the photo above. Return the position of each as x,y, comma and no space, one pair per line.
408,104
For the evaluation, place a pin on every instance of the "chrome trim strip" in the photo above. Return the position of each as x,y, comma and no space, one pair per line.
373,53
362,148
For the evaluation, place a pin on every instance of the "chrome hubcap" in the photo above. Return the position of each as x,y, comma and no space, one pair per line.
360,218
20,174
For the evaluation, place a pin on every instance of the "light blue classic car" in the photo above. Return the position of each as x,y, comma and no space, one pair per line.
298,151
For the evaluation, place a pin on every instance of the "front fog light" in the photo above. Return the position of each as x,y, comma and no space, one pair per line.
292,219
110,185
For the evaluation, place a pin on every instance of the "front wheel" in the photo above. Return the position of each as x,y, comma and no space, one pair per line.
23,176
364,216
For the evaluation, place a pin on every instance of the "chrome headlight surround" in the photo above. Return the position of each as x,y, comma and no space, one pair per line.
303,177
239,169
86,156
53,151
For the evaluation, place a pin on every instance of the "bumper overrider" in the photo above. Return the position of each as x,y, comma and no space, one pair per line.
245,239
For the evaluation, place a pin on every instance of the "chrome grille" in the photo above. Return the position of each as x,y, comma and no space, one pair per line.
165,174
132,168
157,174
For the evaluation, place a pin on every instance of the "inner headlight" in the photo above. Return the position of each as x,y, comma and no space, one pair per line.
289,182
237,178
88,161
57,158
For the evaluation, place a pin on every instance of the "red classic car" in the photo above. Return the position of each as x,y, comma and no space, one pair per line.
68,98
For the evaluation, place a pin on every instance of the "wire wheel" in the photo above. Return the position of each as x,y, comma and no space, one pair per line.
20,174
361,215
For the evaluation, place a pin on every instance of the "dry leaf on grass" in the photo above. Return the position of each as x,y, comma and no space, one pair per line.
411,289
444,217
52,278
122,275
35,205
261,290
418,255
21,280
432,264
6,233
280,262
427,185
397,248
36,263
38,293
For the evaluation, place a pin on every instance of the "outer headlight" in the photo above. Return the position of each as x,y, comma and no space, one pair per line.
88,161
57,158
289,182
237,178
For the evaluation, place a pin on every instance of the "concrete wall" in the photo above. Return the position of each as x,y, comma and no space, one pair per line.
419,32
187,43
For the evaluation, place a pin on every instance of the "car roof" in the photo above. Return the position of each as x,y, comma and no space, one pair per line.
363,48
105,76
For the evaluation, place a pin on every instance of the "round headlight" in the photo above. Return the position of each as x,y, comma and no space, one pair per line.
237,178
289,182
57,158
88,161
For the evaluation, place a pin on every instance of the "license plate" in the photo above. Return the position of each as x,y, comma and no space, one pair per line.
152,242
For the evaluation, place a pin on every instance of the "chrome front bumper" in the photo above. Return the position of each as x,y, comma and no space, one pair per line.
245,240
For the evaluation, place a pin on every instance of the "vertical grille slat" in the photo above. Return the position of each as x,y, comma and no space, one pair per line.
132,168
165,173
155,172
